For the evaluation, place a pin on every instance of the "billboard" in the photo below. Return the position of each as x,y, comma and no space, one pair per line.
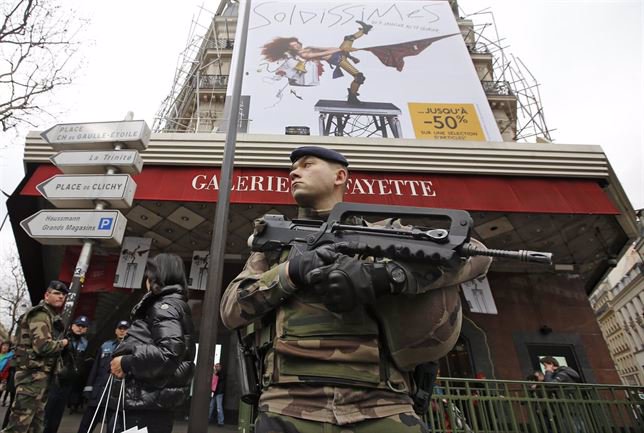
372,69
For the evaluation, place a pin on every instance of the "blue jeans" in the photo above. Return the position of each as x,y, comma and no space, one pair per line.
218,400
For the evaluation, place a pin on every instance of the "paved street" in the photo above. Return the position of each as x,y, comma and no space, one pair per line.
70,424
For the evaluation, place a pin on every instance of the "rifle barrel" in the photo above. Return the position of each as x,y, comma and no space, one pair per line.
521,255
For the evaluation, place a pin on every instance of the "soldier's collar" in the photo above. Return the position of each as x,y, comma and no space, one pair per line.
307,213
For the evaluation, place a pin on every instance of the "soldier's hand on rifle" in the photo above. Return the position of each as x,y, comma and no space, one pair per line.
302,264
350,281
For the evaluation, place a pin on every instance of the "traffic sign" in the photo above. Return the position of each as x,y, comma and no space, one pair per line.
96,161
71,227
77,190
133,134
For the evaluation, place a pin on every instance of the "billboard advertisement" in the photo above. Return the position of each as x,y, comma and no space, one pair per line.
371,69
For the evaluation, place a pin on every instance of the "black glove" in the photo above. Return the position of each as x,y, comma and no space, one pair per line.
349,282
301,264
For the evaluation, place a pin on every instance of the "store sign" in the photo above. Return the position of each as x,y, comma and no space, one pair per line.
70,227
72,191
471,192
370,69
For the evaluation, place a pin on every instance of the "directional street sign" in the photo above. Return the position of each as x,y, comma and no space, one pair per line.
89,161
77,190
71,227
133,134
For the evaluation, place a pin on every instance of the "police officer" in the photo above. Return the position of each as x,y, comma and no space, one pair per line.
68,377
98,379
37,351
327,368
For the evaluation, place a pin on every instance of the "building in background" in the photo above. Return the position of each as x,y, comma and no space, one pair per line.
618,303
522,195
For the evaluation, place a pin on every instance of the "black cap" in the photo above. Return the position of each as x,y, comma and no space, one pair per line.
58,285
320,152
123,324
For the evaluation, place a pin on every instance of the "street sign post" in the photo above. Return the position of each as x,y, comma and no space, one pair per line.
81,191
133,134
89,161
72,227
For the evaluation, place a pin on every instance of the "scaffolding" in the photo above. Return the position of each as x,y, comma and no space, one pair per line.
510,76
195,101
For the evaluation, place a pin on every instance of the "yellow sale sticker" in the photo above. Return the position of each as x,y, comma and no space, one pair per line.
446,121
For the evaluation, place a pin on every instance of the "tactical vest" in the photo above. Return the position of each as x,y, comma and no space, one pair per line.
26,357
375,346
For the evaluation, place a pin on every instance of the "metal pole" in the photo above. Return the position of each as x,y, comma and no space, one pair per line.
198,422
84,258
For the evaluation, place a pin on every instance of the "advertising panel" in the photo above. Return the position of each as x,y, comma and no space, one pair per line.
131,266
371,69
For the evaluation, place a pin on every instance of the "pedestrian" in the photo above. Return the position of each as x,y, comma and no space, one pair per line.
37,352
11,390
218,386
558,373
570,419
6,355
73,364
97,380
326,365
156,357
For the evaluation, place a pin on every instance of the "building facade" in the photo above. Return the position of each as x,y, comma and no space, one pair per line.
618,306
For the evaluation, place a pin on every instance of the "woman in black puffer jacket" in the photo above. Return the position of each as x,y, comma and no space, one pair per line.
156,357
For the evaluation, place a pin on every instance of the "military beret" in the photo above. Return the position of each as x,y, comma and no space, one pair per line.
58,285
320,152
82,321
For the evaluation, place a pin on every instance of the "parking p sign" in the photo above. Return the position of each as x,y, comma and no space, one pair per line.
105,223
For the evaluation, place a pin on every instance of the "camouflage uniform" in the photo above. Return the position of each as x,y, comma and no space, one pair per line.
330,368
36,360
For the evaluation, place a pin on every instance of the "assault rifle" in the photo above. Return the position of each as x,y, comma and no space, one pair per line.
442,246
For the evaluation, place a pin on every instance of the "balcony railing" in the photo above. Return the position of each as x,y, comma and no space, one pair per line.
213,81
497,88
468,405
220,44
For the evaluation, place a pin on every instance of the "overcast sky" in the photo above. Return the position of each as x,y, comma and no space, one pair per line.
586,56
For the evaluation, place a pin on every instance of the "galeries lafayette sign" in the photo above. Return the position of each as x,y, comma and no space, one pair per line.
470,192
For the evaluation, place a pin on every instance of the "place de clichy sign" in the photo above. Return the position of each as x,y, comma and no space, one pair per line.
77,190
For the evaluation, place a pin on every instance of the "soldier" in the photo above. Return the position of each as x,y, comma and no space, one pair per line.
37,352
329,365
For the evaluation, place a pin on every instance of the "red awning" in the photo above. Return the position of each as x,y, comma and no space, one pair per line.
469,192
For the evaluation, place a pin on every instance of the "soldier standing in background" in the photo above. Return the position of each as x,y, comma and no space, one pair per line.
325,362
37,352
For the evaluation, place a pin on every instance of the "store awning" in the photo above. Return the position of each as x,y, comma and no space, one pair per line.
470,192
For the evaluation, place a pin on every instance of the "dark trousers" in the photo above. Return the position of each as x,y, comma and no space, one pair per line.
157,421
55,408
12,395
86,424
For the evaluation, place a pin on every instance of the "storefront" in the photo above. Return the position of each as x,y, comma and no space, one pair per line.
558,198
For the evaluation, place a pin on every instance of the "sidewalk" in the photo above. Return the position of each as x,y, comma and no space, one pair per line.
70,424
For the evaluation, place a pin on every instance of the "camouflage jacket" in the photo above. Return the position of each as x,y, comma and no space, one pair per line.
332,367
36,346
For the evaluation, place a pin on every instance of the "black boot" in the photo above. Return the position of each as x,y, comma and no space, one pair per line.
365,27
352,98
